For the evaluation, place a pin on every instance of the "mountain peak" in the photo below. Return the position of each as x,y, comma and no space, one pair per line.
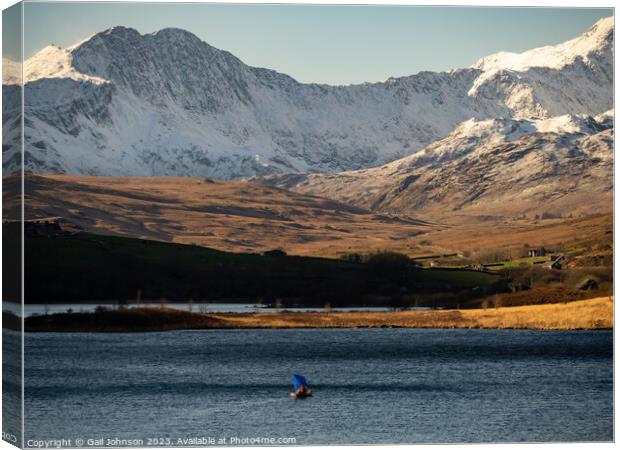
119,31
176,33
602,27
172,35
594,40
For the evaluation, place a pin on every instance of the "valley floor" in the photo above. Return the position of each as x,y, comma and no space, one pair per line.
590,314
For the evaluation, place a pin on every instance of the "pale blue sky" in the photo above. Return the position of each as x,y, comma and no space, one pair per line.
323,44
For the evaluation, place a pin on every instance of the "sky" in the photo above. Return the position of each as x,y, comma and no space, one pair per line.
317,43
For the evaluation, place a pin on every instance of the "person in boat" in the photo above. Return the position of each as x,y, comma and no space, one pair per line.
300,386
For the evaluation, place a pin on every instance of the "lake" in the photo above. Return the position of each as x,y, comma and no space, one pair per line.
53,308
371,386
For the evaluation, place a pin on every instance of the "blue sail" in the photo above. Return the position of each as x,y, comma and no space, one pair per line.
299,381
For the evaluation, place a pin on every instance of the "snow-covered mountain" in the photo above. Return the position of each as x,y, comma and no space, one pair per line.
496,167
122,103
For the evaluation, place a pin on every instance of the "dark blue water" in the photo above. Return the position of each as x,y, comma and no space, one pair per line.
371,386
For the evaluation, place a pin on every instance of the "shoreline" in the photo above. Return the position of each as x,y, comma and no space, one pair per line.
592,314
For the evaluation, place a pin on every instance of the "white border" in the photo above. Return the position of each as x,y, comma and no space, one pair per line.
488,3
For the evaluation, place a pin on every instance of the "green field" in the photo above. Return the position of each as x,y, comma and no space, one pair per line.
519,262
461,277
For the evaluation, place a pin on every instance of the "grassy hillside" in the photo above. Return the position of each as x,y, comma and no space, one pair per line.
83,267
233,216
247,217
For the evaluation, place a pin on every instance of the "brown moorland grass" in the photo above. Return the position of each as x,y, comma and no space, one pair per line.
231,216
590,314
474,235
249,217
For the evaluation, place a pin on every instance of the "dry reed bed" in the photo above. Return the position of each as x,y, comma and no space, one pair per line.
595,313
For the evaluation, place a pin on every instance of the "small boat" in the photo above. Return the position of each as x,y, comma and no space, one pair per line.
300,387
307,393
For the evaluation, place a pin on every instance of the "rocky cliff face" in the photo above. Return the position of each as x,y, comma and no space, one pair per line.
122,103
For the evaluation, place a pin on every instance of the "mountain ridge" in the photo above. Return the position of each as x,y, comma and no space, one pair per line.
497,167
167,103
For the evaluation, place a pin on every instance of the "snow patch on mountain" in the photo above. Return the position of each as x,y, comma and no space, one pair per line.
11,72
497,159
55,62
